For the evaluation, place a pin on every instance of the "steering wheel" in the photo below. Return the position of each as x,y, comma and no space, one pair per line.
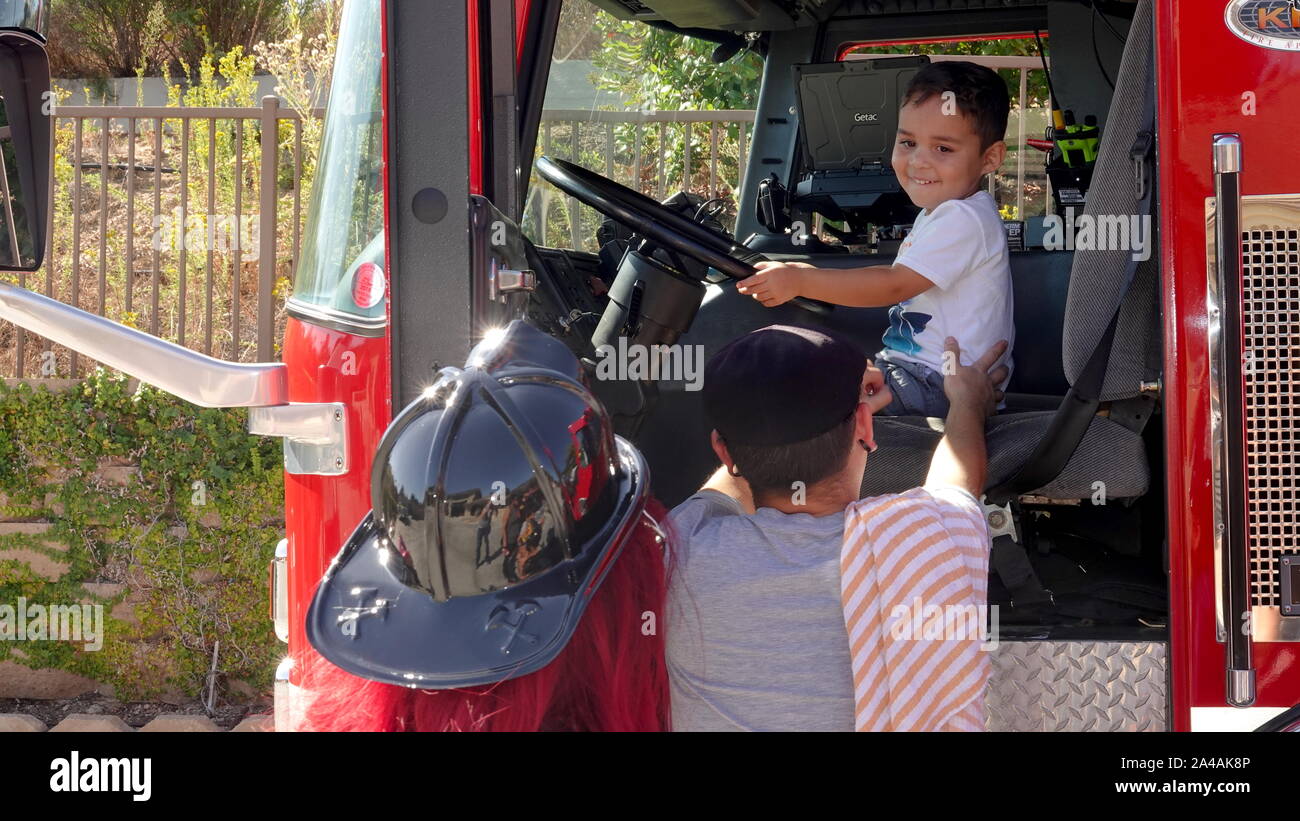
657,222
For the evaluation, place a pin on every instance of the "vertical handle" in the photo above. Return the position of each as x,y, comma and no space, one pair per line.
1230,481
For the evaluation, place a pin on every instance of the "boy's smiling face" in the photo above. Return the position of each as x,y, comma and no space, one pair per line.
937,155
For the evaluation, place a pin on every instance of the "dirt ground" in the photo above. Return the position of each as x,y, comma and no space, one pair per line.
135,713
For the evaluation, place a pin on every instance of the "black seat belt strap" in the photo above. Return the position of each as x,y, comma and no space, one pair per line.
1079,407
1011,562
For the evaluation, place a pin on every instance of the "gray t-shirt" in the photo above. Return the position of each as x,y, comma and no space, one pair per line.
755,634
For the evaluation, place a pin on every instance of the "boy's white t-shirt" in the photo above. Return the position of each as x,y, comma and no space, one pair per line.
962,248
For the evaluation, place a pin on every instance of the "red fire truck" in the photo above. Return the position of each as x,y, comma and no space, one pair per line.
1142,490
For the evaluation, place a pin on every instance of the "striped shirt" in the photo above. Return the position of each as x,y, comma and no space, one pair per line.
914,584
756,625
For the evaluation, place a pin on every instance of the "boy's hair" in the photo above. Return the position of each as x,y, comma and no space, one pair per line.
772,469
980,94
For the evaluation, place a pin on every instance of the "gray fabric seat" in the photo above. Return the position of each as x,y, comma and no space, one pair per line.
1110,452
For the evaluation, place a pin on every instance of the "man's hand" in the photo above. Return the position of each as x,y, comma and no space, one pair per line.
775,282
973,386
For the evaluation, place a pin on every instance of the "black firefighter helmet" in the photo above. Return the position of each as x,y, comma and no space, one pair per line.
501,497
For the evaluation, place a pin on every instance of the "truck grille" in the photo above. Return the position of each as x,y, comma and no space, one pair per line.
1271,336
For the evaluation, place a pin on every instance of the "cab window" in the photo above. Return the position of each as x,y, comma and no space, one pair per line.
340,268
645,107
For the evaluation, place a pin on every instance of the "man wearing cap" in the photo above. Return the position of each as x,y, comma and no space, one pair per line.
779,614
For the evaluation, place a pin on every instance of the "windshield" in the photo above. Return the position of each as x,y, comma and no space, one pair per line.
646,108
345,219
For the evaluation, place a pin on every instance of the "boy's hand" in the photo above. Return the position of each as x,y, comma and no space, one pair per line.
973,386
775,282
874,392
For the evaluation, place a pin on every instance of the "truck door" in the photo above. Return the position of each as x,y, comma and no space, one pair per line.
452,149
1230,233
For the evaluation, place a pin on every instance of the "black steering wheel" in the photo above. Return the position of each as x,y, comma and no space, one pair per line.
657,222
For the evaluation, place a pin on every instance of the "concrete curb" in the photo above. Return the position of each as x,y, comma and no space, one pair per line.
180,724
84,723
18,723
173,723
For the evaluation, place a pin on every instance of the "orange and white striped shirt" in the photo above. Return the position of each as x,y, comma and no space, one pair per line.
914,585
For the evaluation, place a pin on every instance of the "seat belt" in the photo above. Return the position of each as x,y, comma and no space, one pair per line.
1079,407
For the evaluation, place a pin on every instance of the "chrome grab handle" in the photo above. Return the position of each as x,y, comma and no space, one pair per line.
194,377
315,434
1227,422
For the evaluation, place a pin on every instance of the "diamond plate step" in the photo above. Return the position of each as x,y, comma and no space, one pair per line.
1054,686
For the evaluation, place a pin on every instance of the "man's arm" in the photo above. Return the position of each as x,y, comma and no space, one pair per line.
961,459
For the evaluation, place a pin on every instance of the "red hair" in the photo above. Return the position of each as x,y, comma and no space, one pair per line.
610,676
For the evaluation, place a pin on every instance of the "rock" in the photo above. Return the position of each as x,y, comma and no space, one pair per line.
180,724
32,529
18,723
103,590
54,385
242,688
19,681
83,723
255,724
204,576
125,612
55,506
117,475
39,563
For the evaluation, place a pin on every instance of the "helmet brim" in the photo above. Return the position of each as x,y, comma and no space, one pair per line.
366,619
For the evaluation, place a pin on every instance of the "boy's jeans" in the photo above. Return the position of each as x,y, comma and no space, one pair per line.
917,390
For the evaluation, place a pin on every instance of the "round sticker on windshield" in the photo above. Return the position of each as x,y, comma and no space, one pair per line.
368,285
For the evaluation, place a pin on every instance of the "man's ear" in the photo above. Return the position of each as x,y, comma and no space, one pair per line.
994,156
720,448
864,427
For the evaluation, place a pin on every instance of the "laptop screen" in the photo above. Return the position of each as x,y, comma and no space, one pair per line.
848,111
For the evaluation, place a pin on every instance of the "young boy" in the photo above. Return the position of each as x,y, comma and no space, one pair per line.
951,276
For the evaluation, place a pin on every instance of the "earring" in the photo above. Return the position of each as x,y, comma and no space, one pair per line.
734,470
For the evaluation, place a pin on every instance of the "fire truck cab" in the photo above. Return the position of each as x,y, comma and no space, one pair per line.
1141,479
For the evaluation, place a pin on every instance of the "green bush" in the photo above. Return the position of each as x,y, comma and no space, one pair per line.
192,591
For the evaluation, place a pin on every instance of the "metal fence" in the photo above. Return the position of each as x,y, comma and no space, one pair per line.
222,192
657,153
706,153
196,172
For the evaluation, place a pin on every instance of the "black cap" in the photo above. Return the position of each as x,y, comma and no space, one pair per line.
782,384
